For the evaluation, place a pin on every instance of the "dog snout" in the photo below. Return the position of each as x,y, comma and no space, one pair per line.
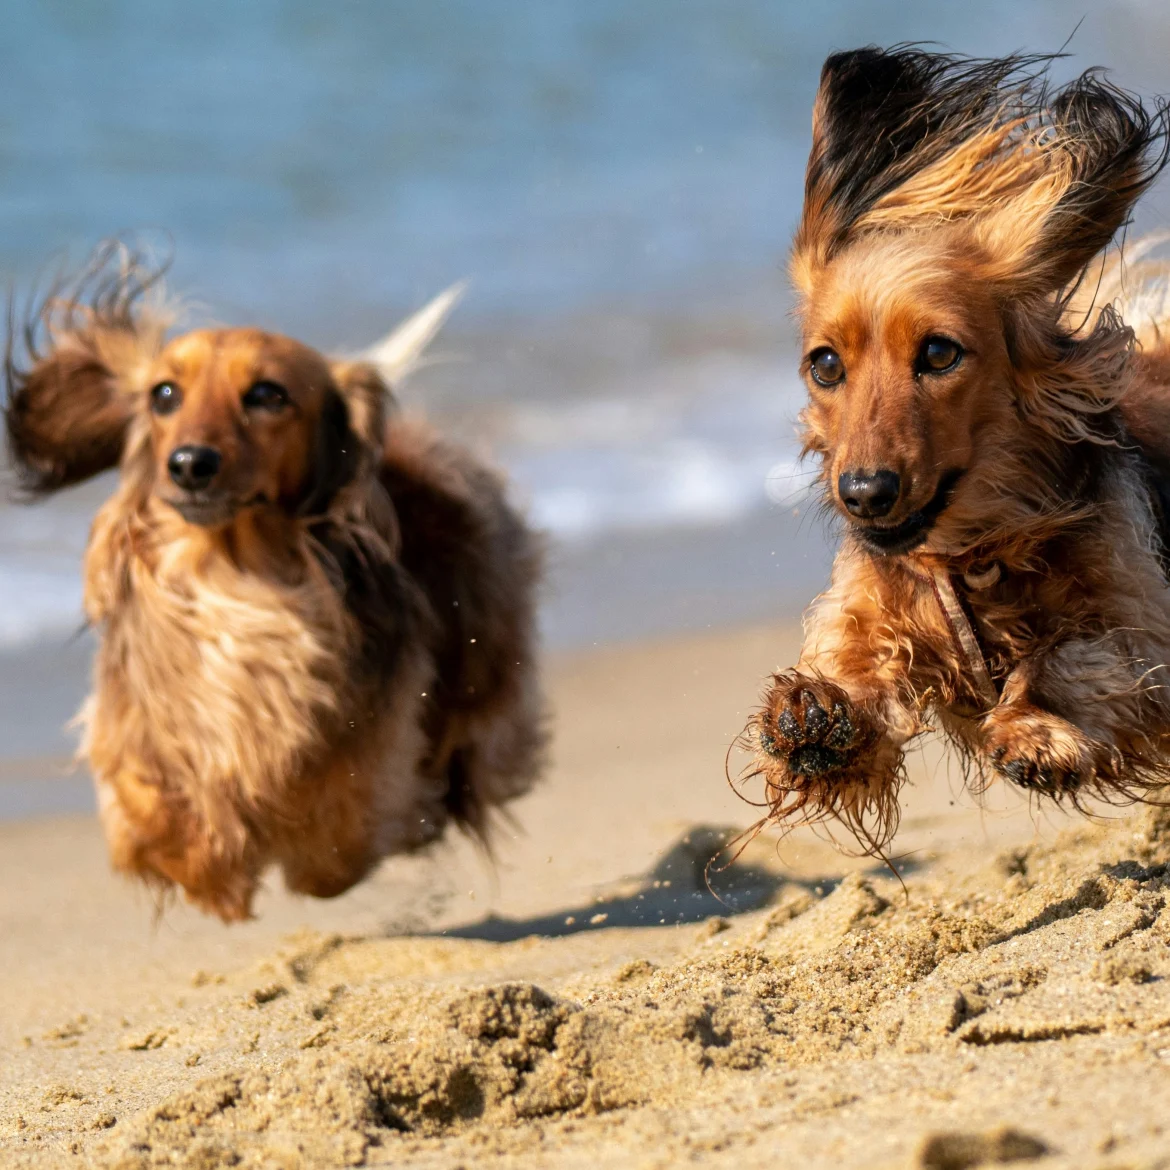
193,468
869,495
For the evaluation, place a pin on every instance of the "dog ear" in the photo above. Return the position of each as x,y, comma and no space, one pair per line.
70,394
1086,158
905,139
882,116
350,433
368,400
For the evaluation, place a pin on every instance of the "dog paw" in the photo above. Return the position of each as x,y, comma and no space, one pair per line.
810,725
1037,750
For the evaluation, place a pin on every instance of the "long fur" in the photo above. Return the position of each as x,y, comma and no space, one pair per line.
65,414
331,674
968,199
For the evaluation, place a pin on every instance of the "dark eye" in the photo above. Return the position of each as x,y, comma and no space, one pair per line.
266,396
938,355
165,398
826,367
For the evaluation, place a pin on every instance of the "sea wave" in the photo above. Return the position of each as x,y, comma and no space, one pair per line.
700,445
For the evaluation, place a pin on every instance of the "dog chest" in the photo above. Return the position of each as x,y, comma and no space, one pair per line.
222,676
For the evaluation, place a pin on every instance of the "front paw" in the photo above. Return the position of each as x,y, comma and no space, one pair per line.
1038,750
810,725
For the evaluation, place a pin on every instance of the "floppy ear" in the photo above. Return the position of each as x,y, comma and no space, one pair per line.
880,117
353,426
368,401
350,432
1091,152
908,139
69,397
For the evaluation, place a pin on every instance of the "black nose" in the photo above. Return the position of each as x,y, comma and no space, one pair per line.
867,496
193,468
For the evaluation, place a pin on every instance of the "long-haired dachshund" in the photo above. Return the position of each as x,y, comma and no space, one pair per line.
316,616
998,448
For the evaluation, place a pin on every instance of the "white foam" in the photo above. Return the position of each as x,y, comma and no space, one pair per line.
680,483
41,547
701,444
35,602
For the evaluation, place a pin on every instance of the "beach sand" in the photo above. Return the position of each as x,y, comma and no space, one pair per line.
587,1002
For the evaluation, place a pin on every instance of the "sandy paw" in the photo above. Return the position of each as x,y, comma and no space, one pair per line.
809,724
1037,750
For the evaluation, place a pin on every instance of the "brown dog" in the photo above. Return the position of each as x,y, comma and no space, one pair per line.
1001,458
316,616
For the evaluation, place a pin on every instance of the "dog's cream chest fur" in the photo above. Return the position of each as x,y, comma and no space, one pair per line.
221,676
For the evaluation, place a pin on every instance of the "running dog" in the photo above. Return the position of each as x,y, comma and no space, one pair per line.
316,616
990,431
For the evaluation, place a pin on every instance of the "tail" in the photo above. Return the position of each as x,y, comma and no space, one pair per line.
400,350
1136,282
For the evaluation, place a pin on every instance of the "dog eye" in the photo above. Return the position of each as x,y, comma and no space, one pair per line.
938,355
826,367
266,396
165,398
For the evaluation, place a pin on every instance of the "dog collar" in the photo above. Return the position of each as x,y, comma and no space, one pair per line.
962,632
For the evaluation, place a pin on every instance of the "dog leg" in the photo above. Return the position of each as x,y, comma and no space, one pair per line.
1083,715
155,836
330,845
829,737
813,726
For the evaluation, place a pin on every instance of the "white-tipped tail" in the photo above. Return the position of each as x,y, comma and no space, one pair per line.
399,351
1137,283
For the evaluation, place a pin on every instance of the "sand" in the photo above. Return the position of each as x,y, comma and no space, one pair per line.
587,1002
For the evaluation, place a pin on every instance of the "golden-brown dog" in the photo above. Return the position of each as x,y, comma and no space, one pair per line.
999,454
316,616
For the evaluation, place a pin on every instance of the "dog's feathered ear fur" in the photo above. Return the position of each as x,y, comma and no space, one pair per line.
350,433
1097,149
368,400
353,426
880,117
1043,178
69,369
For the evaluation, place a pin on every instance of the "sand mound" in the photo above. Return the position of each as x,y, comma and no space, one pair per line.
844,1024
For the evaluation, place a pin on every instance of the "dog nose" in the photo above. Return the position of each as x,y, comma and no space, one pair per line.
867,496
193,468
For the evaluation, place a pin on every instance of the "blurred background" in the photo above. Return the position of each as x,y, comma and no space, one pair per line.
617,178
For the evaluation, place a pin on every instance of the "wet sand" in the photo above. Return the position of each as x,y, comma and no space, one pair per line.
586,1001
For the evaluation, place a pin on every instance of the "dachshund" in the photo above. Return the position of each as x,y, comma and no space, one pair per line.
992,436
315,615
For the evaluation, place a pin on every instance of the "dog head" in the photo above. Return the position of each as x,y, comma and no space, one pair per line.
240,418
951,206
210,423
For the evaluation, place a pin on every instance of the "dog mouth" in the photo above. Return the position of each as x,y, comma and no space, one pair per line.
911,532
204,509
212,510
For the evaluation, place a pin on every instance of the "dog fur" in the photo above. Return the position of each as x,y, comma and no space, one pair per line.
959,205
319,660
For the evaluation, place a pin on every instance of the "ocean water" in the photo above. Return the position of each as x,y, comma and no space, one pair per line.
618,179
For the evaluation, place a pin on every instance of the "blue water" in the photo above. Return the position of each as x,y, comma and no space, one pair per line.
618,178
319,165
